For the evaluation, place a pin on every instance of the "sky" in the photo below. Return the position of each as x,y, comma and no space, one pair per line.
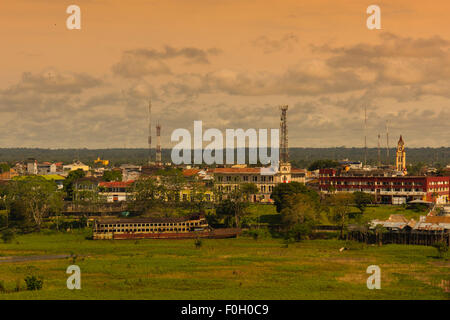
228,63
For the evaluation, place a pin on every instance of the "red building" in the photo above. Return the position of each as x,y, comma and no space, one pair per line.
387,189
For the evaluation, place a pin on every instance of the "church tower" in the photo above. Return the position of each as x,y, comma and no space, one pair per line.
400,160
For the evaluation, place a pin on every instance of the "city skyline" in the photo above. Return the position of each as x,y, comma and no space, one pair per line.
230,66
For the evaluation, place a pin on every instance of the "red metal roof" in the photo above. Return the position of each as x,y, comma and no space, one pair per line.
190,172
237,170
116,184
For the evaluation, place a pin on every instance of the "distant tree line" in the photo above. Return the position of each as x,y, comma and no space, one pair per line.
301,157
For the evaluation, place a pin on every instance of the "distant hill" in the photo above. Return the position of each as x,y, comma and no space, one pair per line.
301,157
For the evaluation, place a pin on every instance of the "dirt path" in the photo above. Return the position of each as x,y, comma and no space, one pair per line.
33,258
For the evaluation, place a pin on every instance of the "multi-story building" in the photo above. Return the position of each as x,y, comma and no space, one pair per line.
116,191
387,188
229,179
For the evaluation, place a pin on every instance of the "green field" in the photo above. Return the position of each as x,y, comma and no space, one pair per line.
222,269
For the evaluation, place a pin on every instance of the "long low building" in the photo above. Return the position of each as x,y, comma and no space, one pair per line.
388,189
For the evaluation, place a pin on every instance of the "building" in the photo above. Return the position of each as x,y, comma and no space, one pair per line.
228,179
101,162
32,167
388,189
159,228
115,191
400,159
46,168
75,166
8,174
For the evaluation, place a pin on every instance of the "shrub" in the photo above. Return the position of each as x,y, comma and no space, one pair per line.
300,231
8,235
18,287
442,248
34,283
198,243
2,286
259,234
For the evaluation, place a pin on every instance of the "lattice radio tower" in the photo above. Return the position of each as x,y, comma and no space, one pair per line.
158,145
150,132
284,154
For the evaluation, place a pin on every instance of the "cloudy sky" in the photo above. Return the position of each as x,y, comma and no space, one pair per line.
229,63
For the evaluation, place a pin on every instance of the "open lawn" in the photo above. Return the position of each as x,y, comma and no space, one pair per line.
222,269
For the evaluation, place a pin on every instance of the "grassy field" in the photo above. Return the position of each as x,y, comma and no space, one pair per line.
222,269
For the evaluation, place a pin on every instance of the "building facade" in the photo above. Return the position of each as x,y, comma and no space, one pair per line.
388,189
228,179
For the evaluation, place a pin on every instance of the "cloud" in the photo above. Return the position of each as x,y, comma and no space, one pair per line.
142,62
395,79
307,78
287,42
51,81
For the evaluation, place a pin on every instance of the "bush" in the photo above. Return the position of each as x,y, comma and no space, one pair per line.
300,231
2,286
8,236
34,283
258,233
442,248
198,243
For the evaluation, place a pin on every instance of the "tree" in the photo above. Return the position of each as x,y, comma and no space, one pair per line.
379,231
197,199
339,209
300,209
112,175
281,192
441,247
234,206
34,197
146,194
70,180
323,164
362,199
248,189
4,167
416,169
299,216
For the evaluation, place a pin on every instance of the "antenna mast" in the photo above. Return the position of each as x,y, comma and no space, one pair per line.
150,132
387,143
379,151
158,145
365,135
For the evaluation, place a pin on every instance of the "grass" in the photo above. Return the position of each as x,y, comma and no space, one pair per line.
222,269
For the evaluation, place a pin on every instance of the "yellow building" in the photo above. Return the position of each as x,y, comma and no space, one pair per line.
75,166
103,162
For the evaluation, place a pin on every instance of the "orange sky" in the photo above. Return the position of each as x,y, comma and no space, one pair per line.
258,54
